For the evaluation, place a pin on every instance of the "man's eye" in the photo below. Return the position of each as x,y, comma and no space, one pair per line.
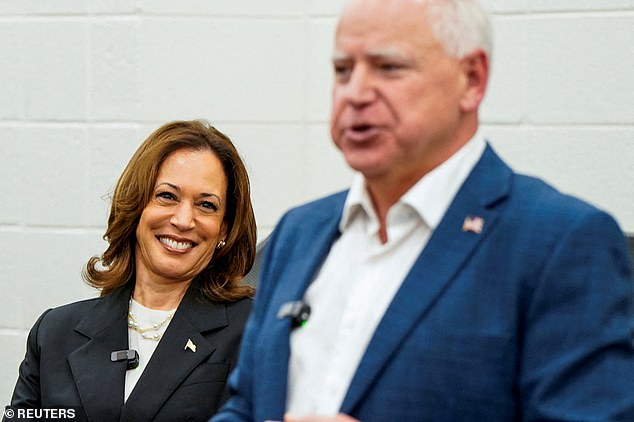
341,70
389,67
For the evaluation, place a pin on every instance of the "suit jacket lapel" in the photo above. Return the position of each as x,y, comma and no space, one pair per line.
443,257
172,362
100,381
314,240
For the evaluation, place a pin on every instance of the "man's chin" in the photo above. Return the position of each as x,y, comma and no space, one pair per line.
369,170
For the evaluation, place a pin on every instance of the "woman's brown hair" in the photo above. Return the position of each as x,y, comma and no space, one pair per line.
220,280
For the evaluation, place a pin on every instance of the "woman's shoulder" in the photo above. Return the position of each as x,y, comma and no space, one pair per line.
68,314
243,304
239,310
237,314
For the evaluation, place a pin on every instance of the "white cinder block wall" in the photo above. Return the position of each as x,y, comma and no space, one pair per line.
83,82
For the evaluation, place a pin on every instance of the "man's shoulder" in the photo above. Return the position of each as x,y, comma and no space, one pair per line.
532,203
301,225
544,211
527,191
328,205
536,194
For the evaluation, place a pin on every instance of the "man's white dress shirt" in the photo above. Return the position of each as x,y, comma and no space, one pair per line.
359,279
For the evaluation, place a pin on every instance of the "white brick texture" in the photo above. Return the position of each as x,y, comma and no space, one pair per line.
85,81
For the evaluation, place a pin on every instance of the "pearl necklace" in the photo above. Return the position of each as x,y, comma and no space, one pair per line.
133,324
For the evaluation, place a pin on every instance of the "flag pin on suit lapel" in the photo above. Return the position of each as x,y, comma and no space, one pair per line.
190,345
473,224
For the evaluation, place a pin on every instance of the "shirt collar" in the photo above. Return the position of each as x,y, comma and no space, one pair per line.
358,204
441,184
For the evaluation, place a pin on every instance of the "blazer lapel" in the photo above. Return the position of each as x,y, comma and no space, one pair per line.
313,242
291,282
100,382
442,258
172,361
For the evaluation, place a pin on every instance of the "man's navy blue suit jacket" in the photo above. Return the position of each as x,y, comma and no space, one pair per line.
530,319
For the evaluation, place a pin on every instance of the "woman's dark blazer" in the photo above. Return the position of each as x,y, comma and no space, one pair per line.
68,365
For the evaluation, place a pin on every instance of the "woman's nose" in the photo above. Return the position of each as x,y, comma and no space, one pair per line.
183,217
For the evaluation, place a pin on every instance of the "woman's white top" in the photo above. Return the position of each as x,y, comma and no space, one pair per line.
145,317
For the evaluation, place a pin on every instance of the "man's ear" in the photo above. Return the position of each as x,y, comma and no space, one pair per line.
475,68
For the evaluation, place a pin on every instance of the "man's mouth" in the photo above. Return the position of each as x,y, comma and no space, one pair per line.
361,132
361,128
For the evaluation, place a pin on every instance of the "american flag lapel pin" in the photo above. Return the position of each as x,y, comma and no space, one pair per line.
190,345
473,224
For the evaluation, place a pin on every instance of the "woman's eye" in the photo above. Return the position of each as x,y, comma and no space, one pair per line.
208,205
166,196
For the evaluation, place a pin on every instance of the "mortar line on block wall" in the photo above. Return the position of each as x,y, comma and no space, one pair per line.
22,88
561,125
527,124
308,72
615,12
13,332
585,125
61,16
73,124
47,123
11,228
88,95
254,123
324,17
306,21
567,13
220,17
47,229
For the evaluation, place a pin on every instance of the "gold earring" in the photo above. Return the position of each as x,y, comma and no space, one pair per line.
221,244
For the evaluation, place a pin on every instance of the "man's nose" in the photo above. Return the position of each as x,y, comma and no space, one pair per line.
360,88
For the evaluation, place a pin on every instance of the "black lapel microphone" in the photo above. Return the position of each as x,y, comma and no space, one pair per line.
298,311
130,355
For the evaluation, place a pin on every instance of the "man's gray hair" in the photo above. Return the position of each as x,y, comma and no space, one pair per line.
461,26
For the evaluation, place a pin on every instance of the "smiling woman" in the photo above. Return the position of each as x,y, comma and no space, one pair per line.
160,341
137,189
183,223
